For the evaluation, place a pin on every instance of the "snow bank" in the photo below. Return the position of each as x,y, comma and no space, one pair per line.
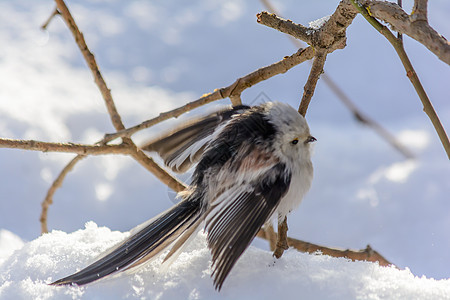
26,273
9,242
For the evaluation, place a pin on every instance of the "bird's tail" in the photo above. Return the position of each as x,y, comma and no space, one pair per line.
149,240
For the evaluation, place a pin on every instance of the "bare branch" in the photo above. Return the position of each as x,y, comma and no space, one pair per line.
367,254
90,59
329,37
64,147
420,31
56,184
298,31
310,86
236,88
410,72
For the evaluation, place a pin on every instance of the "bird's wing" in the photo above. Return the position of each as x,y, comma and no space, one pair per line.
184,146
245,201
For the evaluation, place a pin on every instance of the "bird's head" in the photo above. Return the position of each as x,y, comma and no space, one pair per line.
293,138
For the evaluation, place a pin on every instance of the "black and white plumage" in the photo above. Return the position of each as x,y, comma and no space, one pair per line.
253,164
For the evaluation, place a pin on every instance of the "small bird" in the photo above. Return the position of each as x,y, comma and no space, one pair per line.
252,164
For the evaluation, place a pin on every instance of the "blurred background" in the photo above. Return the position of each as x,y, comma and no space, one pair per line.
156,56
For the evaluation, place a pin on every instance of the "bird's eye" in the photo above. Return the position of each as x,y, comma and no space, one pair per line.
294,141
310,139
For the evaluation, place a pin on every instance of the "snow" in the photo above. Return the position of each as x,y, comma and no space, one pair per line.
363,192
257,274
9,242
316,24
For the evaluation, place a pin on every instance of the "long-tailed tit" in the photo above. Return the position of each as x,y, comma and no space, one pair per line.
253,164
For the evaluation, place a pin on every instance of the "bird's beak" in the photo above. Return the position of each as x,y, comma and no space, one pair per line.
310,139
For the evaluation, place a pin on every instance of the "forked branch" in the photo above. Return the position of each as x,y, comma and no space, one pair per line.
345,99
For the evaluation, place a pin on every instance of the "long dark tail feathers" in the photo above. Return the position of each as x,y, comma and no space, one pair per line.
147,242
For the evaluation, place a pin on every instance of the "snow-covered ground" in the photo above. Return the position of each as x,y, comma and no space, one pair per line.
256,276
157,56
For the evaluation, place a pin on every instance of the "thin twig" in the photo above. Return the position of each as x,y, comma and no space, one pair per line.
90,59
51,191
367,254
365,119
57,183
410,73
236,88
54,13
310,86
